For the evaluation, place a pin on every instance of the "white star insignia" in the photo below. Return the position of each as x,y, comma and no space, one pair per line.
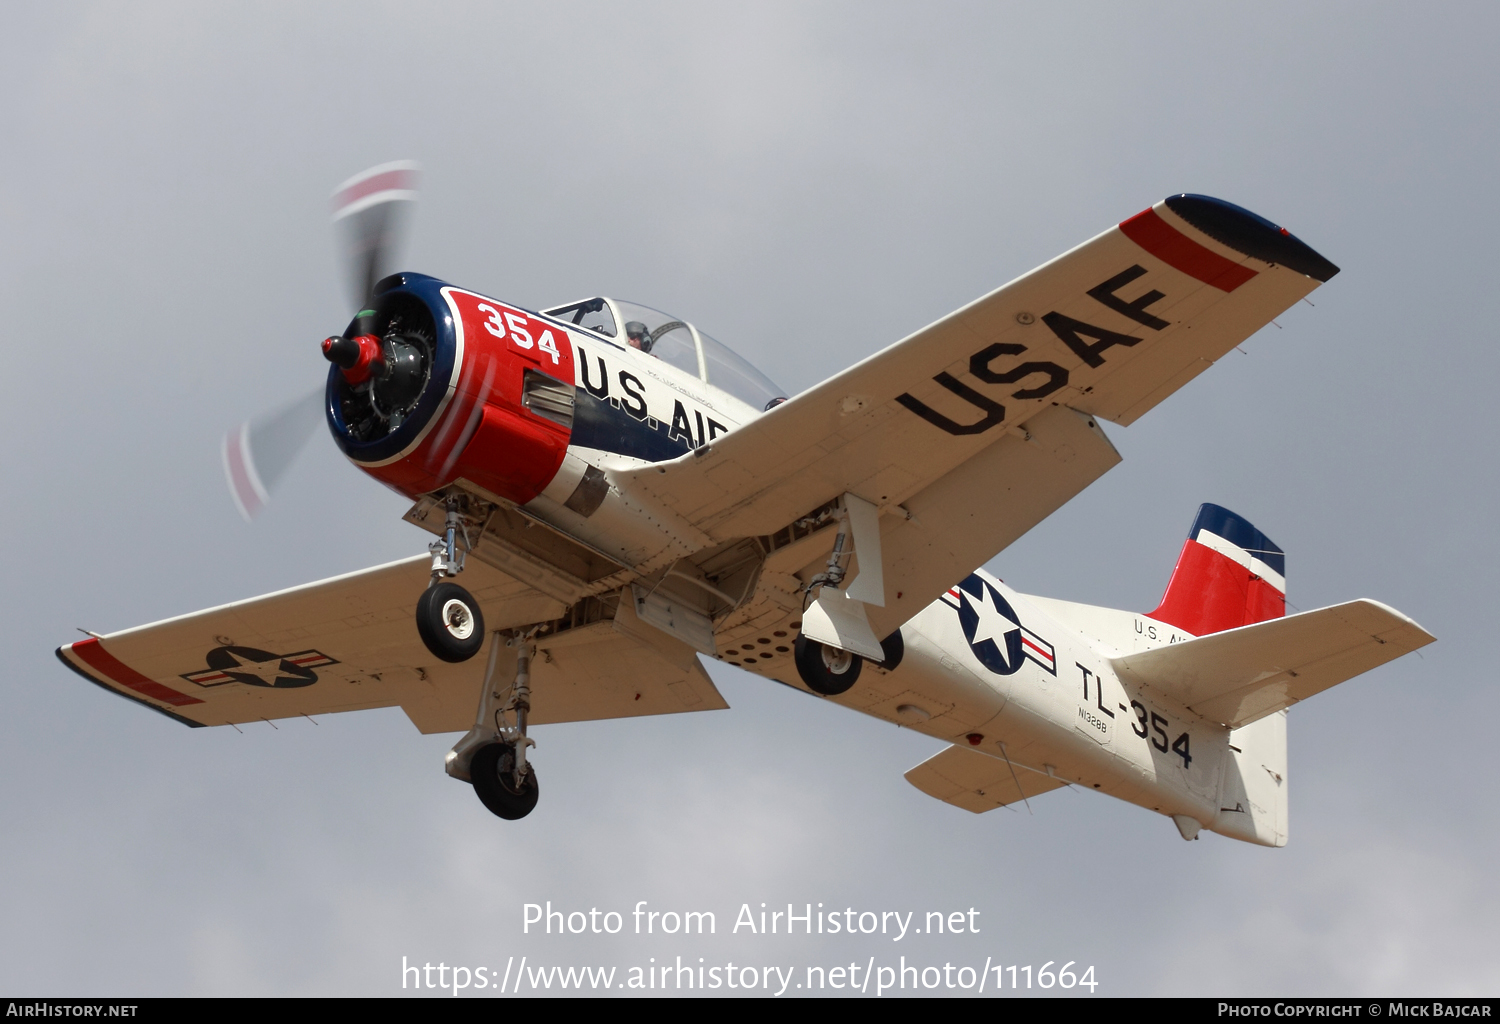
266,671
992,624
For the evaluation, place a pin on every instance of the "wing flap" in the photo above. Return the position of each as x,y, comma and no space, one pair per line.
584,674
981,507
977,782
1241,675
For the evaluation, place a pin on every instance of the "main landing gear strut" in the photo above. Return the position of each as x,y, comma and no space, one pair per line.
492,755
448,617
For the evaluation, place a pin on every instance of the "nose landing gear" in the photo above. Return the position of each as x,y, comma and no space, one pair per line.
492,755
448,618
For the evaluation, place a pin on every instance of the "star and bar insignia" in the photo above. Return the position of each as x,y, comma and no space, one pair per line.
259,668
987,617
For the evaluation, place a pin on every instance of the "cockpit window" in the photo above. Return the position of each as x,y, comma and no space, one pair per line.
727,371
677,342
661,334
593,315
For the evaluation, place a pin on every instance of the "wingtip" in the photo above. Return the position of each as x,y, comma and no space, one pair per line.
1403,618
62,656
1251,234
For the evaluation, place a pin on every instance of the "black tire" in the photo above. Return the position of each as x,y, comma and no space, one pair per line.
826,670
494,784
450,622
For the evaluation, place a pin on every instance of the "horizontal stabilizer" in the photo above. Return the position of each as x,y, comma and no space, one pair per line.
977,782
1242,675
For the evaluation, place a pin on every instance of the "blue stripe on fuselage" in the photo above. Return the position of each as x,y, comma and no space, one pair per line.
598,423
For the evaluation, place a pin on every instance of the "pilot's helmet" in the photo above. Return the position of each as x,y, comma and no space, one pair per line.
638,335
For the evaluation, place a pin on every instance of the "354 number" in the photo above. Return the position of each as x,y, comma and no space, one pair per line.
514,326
1180,746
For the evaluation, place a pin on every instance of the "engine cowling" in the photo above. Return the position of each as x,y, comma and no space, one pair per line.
451,384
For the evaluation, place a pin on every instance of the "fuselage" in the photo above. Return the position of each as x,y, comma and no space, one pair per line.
535,412
1029,680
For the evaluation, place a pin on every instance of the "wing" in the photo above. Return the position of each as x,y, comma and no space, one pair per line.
977,782
351,643
972,430
1241,675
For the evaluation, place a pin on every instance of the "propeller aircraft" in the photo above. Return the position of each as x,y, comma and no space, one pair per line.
622,496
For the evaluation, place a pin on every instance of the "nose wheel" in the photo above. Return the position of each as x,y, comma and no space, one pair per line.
450,622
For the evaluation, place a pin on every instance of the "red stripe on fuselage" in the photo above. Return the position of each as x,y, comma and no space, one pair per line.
1149,231
92,653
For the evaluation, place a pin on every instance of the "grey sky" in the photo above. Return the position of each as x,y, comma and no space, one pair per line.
808,183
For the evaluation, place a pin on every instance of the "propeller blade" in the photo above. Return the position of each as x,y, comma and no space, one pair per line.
371,210
258,452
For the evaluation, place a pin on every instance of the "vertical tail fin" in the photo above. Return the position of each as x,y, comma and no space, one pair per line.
1229,574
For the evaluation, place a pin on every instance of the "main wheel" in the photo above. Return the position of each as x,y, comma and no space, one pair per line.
826,670
450,622
492,771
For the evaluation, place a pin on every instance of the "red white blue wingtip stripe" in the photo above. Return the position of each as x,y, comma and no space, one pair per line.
392,182
1156,235
90,660
1234,227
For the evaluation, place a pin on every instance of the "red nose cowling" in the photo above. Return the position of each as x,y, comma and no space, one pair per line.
484,432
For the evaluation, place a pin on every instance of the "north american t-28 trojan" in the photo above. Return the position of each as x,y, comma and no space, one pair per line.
622,494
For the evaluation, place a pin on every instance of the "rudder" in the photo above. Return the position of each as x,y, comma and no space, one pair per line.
1253,786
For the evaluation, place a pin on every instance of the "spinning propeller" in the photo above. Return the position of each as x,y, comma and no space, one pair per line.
371,212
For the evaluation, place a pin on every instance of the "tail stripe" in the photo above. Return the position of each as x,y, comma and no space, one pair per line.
1248,559
1221,522
1228,575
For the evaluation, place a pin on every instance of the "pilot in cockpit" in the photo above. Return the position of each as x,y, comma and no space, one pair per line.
638,336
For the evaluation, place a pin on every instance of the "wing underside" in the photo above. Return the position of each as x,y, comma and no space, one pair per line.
350,643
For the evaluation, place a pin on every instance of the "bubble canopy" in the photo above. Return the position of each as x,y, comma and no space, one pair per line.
674,341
